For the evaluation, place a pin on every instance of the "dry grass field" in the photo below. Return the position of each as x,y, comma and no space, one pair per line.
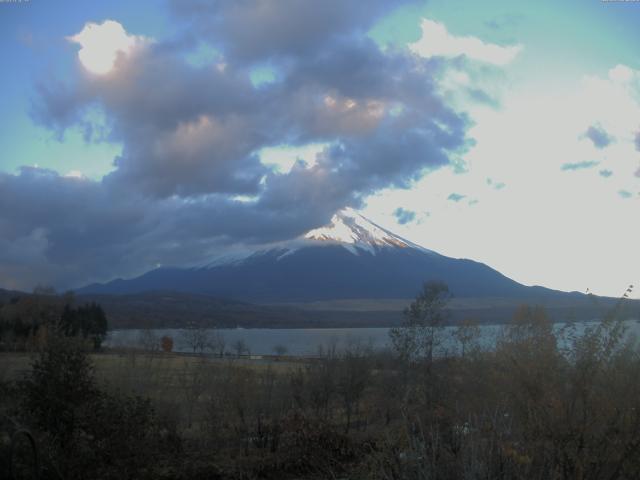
180,384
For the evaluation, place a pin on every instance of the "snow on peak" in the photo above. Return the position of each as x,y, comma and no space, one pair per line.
348,228
351,229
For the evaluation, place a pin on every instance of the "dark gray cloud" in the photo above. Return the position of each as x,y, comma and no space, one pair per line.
69,231
189,131
64,226
404,216
250,31
598,136
189,181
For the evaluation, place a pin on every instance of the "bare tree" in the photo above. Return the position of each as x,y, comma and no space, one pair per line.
354,375
280,350
193,380
148,340
217,343
196,337
421,332
240,347
467,334
321,379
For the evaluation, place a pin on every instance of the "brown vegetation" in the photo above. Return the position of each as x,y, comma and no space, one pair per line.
530,408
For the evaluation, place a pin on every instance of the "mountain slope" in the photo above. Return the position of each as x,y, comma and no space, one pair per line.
350,258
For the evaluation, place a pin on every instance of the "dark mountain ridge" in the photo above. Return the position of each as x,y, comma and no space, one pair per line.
351,258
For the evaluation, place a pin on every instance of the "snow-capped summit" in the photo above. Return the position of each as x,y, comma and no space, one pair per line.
351,257
356,231
348,229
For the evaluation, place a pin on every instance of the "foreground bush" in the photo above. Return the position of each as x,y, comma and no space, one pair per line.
85,432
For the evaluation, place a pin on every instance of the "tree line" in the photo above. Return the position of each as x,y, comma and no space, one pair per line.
27,322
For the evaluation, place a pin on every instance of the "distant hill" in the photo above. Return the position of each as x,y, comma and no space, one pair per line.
164,309
177,309
7,295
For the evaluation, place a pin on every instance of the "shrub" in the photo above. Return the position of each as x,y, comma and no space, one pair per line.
166,343
87,432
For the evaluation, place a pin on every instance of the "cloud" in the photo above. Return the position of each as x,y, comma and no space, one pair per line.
495,185
536,187
456,197
436,41
404,216
90,232
625,194
598,136
605,173
192,131
191,178
636,142
250,31
102,43
579,165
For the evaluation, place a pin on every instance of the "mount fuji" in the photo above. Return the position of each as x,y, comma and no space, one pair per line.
351,258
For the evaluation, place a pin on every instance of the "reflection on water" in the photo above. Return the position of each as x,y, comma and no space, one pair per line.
306,341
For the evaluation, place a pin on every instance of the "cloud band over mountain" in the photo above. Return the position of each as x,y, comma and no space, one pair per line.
189,179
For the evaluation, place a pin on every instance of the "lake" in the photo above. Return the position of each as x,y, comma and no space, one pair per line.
307,341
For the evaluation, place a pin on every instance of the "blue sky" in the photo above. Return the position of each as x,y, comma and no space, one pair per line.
516,97
33,46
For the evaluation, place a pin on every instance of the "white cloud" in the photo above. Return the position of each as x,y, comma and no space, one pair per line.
569,230
75,174
102,43
282,158
436,41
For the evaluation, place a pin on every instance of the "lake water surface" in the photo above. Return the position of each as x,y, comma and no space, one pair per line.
307,341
